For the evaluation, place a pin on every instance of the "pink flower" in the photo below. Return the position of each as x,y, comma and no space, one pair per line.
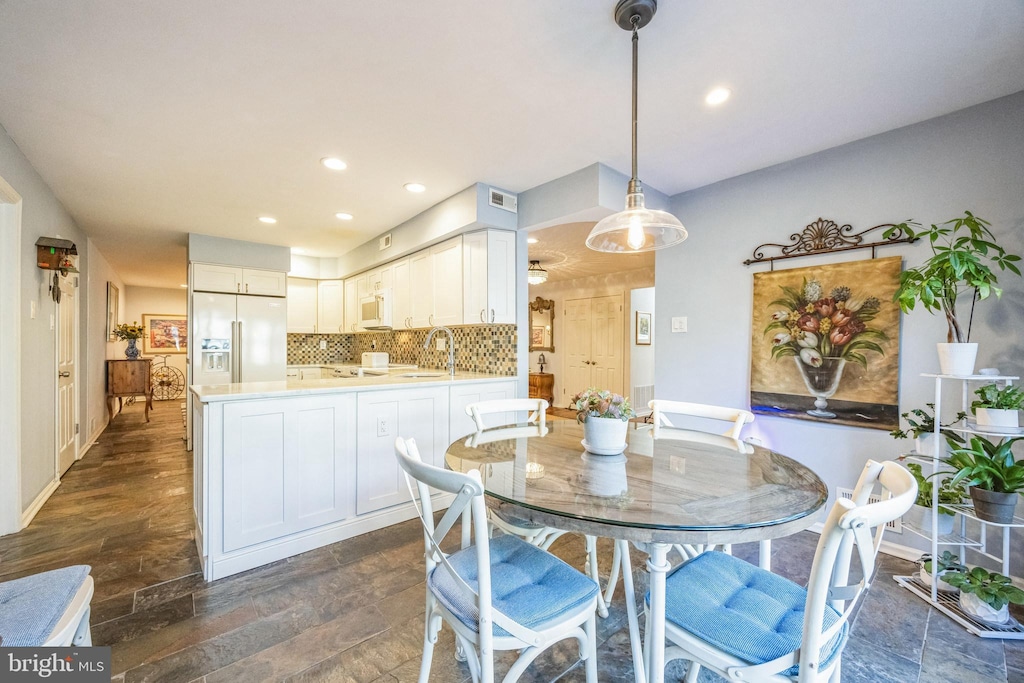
825,307
808,323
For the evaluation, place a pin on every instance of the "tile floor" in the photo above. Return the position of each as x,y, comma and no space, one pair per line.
352,611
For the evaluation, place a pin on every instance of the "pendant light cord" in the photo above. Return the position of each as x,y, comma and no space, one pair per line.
635,20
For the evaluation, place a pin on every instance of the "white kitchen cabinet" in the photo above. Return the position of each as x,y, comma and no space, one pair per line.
446,262
383,416
302,305
421,300
489,277
330,301
352,304
310,373
287,466
292,373
460,424
401,298
208,277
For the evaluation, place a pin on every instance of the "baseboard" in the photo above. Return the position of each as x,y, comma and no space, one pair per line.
29,514
93,438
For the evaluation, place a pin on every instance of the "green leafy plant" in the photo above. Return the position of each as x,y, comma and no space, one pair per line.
988,466
125,331
991,396
949,492
923,422
947,562
964,253
995,590
594,403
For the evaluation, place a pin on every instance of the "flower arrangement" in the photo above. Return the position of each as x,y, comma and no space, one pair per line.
124,331
594,403
814,327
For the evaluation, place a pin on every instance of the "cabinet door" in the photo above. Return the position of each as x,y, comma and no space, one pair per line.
264,282
330,306
460,424
287,466
501,277
401,308
302,303
310,373
474,278
351,304
383,416
421,301
446,260
207,277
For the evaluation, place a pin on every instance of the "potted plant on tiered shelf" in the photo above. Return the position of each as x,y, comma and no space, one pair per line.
130,333
605,418
993,475
964,253
920,513
986,595
948,563
922,428
997,408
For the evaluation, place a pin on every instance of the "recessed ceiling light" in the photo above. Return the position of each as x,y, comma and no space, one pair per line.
267,219
717,96
531,240
334,163
343,216
415,187
183,285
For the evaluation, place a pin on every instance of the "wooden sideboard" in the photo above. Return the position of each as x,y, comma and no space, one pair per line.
542,385
129,378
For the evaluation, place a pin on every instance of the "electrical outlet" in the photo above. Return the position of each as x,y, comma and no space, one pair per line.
440,343
382,426
323,344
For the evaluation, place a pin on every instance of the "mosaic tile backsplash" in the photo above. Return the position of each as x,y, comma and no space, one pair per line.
478,348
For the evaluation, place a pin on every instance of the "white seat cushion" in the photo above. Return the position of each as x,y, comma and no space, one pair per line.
31,607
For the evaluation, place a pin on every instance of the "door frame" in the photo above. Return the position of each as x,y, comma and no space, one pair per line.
76,336
10,359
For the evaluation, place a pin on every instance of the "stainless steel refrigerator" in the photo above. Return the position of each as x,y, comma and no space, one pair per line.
238,338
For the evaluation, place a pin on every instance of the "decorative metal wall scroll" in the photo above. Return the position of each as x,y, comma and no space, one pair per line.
825,236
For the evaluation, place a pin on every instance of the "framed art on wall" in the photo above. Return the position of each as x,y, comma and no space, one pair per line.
112,312
164,333
643,329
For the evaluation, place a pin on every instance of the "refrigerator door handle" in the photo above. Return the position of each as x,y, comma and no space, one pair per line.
234,351
238,353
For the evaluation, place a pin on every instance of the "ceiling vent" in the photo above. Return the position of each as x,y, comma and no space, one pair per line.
503,200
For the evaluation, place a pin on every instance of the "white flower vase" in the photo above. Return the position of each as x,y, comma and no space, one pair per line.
974,606
605,435
957,359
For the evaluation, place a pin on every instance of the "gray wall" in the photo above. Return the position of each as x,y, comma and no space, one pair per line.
238,253
931,172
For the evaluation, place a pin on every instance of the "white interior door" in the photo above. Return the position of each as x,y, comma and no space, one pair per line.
606,343
577,348
67,377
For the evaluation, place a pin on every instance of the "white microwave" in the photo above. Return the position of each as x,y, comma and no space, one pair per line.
375,310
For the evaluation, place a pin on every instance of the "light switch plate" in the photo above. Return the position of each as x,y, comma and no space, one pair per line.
32,309
679,323
323,344
440,343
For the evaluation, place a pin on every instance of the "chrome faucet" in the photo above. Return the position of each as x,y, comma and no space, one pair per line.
451,346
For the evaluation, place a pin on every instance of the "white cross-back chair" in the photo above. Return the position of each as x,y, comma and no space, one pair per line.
501,594
48,609
747,624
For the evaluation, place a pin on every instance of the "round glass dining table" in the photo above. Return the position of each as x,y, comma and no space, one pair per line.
691,489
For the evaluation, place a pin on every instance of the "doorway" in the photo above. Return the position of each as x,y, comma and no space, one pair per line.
593,343
67,373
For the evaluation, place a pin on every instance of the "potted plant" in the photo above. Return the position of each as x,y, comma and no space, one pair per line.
922,428
130,333
997,408
986,595
605,418
921,512
946,564
993,475
964,253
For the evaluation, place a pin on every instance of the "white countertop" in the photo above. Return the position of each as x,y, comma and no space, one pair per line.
304,387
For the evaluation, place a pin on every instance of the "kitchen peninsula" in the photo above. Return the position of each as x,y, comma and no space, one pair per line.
284,467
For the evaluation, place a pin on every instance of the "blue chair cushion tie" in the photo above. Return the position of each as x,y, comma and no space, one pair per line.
741,609
529,585
31,607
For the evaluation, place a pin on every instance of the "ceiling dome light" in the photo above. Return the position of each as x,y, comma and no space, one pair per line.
334,163
186,286
637,228
536,275
415,187
268,219
717,96
343,216
532,240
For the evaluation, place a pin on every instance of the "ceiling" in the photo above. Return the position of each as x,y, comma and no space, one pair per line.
562,251
152,119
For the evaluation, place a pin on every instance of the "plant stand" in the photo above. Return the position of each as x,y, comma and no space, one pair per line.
948,603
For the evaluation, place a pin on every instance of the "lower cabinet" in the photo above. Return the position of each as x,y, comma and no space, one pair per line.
287,466
460,424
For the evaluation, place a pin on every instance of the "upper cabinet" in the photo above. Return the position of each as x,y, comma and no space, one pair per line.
208,277
489,277
401,312
315,306
446,261
330,311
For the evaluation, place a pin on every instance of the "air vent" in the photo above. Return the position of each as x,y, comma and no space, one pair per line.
895,526
503,200
385,242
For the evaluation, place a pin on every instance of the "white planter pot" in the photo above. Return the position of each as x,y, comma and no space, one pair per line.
944,587
998,419
957,359
605,435
921,517
925,444
973,605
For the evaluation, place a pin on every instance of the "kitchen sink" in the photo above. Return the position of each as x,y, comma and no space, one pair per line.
421,374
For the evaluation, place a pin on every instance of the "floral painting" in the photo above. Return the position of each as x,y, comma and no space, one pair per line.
825,343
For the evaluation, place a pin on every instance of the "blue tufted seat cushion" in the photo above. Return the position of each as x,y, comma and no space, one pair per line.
529,585
31,607
741,609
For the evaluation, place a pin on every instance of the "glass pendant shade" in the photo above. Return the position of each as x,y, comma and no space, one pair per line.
636,229
535,275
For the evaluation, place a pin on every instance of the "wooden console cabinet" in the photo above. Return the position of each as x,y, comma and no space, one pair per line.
542,385
129,378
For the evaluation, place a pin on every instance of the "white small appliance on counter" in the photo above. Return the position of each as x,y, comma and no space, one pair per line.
378,363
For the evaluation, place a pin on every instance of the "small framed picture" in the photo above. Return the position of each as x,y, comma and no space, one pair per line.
112,314
643,329
164,333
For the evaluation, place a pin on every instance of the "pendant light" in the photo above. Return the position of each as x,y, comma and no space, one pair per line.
536,275
637,228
